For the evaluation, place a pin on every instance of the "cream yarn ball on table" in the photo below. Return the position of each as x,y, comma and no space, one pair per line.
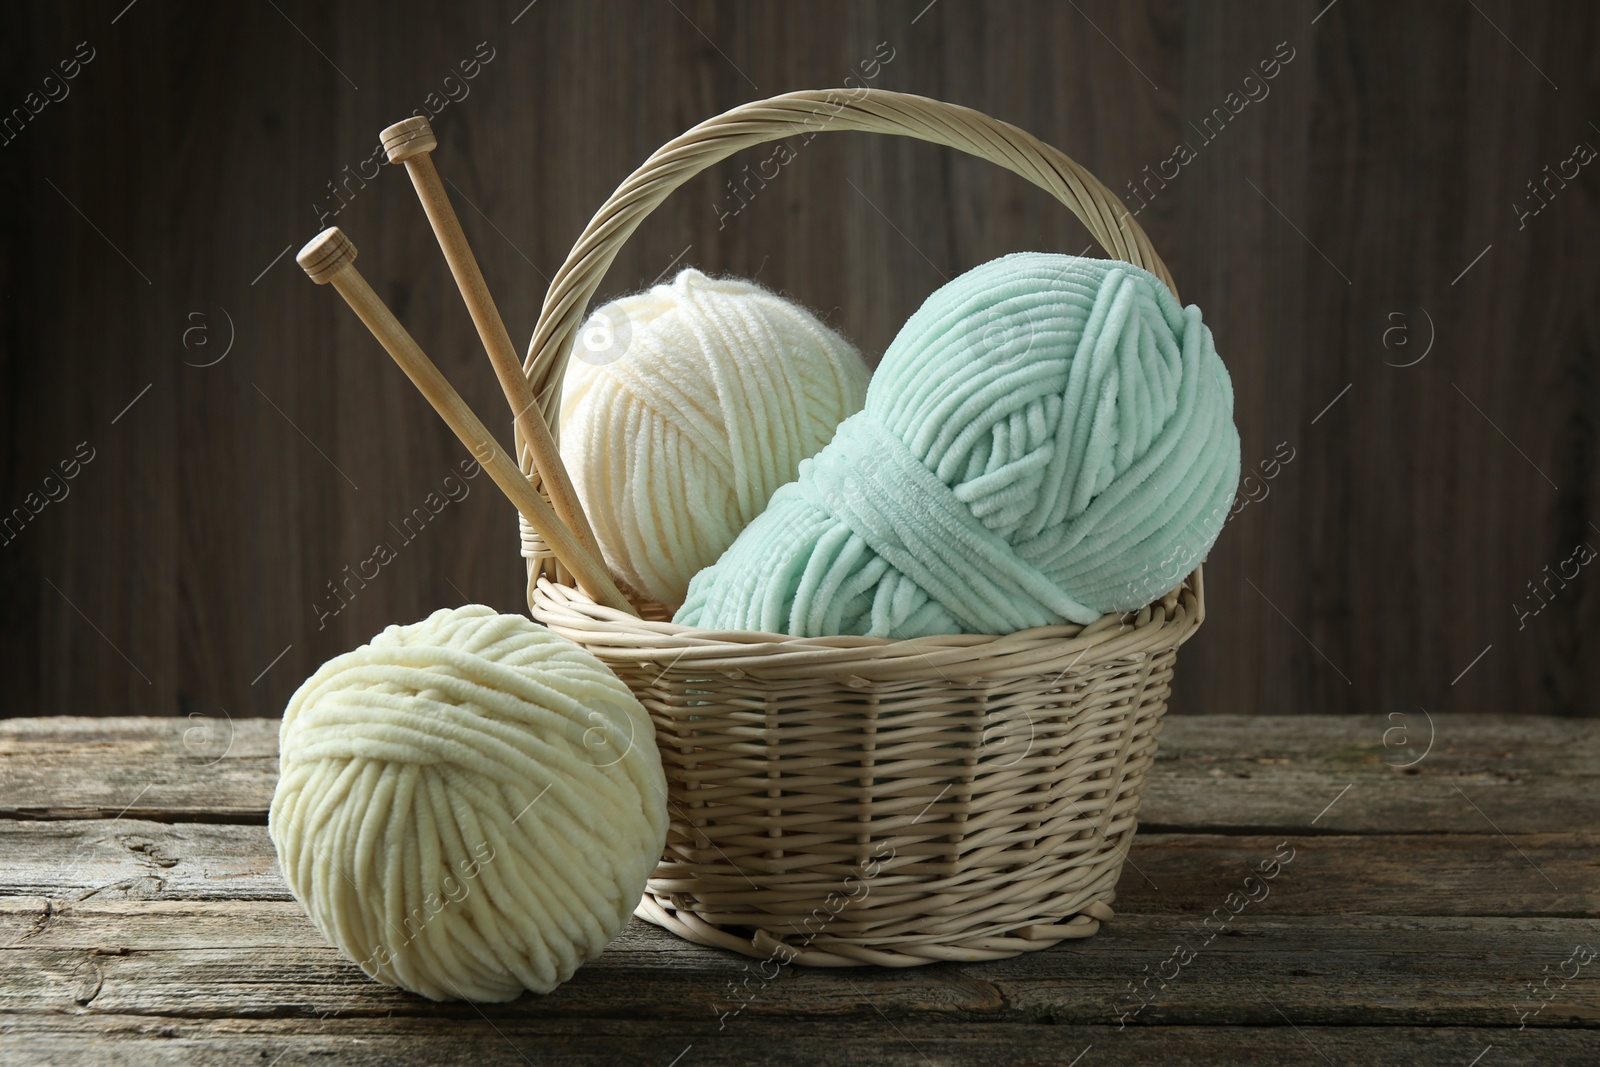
684,408
468,806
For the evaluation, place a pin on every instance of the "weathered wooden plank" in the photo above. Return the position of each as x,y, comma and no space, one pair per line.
65,1041
1293,801
135,859
182,960
262,959
1418,874
1421,874
1397,773
1351,971
1227,773
196,768
1560,746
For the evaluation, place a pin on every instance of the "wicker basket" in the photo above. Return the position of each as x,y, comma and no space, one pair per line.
843,801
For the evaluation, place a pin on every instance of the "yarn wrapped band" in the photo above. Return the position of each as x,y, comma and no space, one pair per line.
1048,439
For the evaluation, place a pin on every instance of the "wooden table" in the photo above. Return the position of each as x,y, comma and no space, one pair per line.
1438,913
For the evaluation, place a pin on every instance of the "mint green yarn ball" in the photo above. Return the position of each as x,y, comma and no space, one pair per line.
1048,439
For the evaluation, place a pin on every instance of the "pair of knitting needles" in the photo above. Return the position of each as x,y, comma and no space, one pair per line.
329,258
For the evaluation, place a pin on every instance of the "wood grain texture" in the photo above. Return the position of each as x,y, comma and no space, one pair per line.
1521,875
161,931
1227,774
210,533
264,960
60,1041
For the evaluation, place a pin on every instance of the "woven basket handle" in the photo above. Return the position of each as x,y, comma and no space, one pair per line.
811,111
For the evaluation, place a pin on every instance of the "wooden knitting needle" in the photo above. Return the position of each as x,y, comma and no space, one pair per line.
329,257
412,142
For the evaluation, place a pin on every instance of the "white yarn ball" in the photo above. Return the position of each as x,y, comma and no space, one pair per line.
683,410
468,806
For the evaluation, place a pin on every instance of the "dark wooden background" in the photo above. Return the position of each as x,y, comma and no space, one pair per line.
1367,200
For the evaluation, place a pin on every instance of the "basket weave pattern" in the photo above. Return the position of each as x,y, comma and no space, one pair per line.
842,801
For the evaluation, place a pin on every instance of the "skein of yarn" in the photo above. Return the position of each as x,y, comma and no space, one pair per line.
1048,439
468,806
683,408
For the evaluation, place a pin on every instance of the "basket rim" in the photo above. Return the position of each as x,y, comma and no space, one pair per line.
1064,648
